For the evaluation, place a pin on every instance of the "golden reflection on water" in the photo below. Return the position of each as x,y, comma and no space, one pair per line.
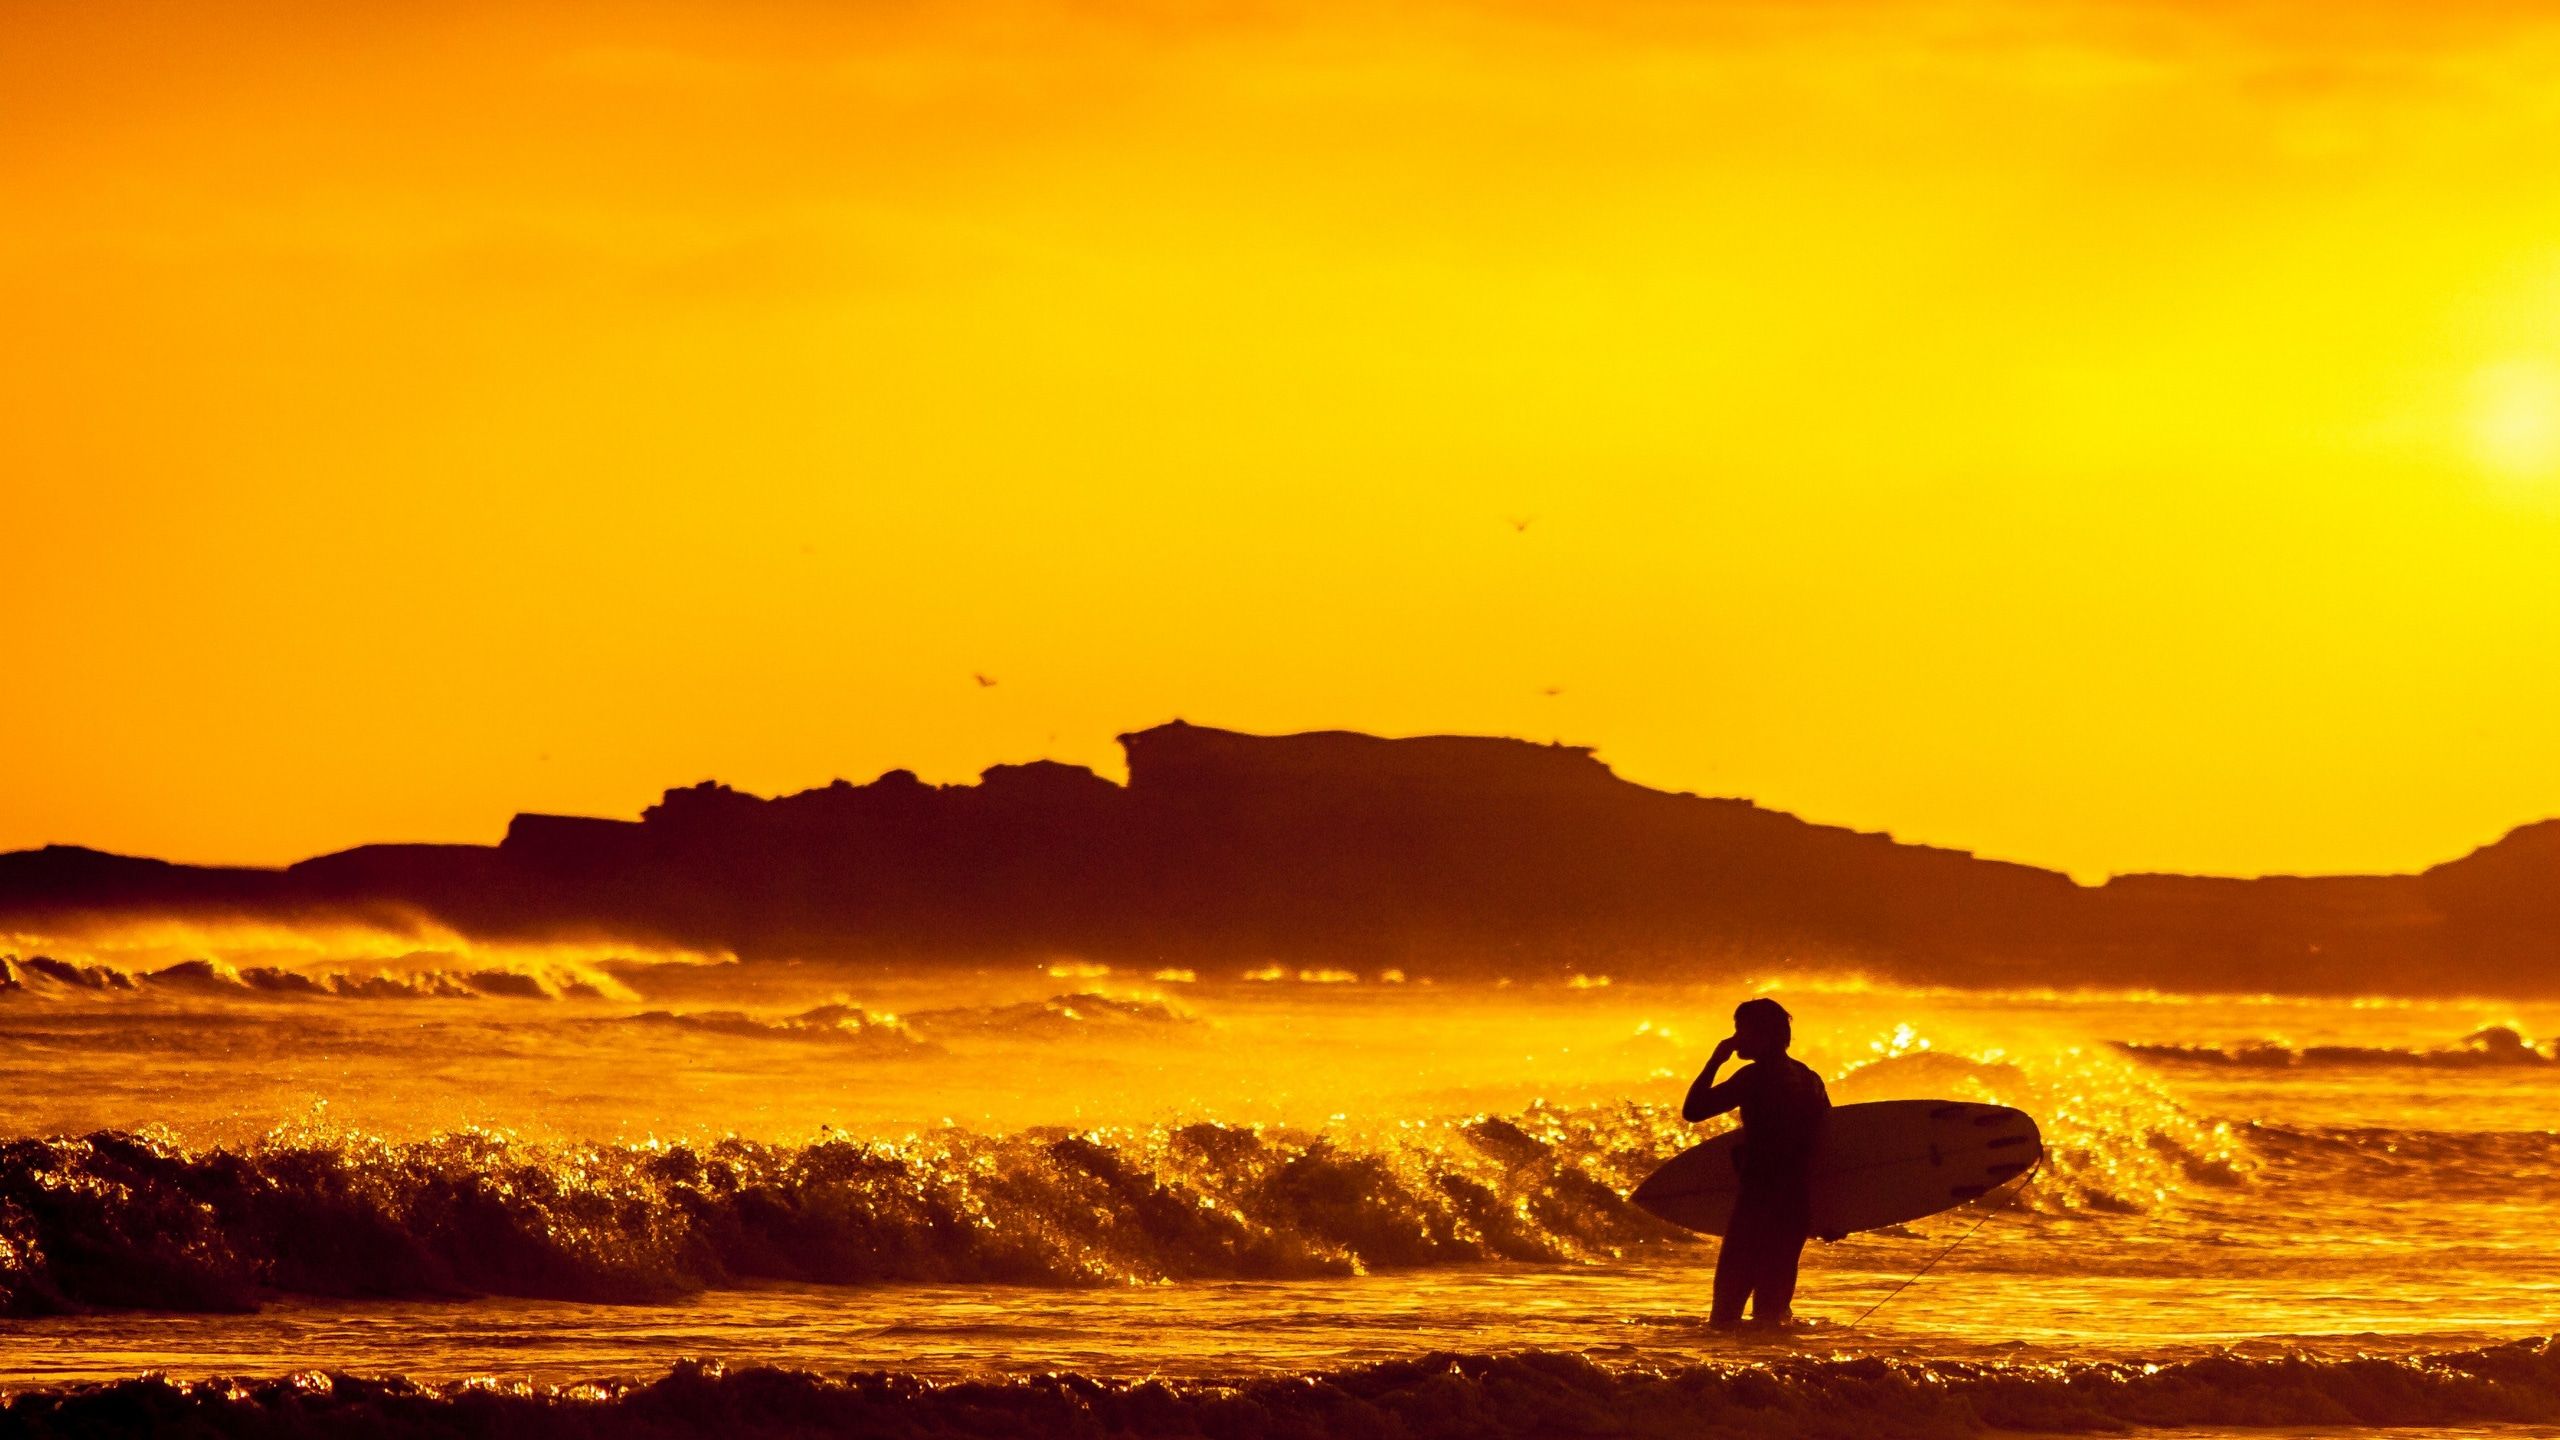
1296,1170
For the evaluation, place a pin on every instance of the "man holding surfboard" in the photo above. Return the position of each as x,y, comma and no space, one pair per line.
1799,1167
1784,1109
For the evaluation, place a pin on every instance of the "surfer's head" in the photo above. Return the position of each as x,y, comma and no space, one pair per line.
1762,1029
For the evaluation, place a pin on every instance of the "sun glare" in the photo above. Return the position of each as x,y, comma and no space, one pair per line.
2515,423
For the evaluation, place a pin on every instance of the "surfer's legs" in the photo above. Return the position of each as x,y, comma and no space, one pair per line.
1773,1288
1737,1266
1757,1263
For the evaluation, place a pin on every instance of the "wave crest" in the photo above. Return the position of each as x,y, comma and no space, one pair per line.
117,1220
1431,1396
2116,1142
2477,1163
2495,1045
841,1021
837,1024
43,974
1059,1014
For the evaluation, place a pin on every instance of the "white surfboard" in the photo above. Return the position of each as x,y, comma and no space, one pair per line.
1881,1163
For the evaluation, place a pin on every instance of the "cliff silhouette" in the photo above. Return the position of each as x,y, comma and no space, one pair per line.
1448,855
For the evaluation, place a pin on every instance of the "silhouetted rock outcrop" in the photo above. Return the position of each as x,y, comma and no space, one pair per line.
1452,854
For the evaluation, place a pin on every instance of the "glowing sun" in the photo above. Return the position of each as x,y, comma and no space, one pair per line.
2515,422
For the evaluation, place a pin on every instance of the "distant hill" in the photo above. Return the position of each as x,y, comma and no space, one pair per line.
1450,855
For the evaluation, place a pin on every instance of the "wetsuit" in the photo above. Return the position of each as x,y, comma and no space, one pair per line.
1784,1107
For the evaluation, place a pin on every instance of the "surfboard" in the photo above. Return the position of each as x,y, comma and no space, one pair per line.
1881,1163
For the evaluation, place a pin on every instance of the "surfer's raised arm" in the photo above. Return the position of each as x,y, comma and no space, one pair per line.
1706,1097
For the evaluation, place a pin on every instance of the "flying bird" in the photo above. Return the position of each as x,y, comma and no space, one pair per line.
1552,691
984,681
1521,523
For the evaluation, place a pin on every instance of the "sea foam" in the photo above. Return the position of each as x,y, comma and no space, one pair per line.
1432,1396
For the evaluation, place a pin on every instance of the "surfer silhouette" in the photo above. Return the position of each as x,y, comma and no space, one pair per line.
1784,1106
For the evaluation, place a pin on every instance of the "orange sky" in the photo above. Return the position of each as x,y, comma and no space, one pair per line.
2116,436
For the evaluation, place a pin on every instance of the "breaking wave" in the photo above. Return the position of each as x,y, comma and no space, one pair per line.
1437,1395
119,1220
2488,1163
838,1022
2497,1045
1059,1014
844,1022
835,1024
2116,1142
139,1220
125,1220
40,974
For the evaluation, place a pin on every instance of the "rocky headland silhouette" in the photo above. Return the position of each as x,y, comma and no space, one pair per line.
1455,856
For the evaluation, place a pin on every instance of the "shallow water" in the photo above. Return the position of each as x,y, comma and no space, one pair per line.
1064,1169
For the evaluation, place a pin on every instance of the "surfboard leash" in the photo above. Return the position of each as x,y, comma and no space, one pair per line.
1943,1254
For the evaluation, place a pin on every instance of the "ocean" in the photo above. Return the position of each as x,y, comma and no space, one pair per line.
562,1191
